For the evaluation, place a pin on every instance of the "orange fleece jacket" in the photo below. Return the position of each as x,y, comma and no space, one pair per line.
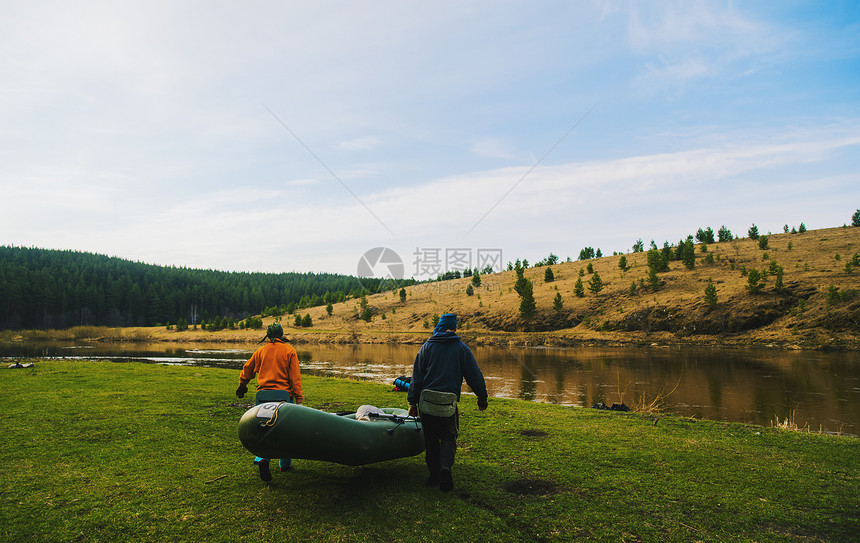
276,366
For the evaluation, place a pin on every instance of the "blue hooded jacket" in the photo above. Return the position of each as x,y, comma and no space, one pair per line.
441,364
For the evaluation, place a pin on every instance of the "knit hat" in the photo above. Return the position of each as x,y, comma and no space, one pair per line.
448,321
274,331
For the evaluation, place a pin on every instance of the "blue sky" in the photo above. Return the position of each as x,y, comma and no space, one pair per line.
295,136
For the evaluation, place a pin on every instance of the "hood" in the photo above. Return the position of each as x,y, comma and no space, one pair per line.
444,337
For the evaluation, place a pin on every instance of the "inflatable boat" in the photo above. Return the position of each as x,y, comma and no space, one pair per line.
288,430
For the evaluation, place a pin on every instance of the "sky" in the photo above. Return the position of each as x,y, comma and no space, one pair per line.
282,136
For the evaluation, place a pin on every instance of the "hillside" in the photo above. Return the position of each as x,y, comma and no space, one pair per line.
805,313
817,308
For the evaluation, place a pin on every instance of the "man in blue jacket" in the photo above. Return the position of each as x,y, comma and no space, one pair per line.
441,365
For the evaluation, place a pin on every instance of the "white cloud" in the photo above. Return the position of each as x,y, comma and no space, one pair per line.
360,144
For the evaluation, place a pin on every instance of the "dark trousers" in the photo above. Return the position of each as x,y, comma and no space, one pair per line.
440,441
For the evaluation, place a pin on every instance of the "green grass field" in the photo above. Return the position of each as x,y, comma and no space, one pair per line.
97,451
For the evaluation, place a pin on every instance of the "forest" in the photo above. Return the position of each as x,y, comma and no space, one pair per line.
56,289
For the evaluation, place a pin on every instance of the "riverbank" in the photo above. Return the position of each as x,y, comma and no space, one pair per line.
813,340
135,452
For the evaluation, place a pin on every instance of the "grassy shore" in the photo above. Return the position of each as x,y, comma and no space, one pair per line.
95,451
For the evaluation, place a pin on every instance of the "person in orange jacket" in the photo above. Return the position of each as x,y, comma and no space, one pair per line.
276,366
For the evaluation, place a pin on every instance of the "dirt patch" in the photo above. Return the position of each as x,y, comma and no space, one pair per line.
532,487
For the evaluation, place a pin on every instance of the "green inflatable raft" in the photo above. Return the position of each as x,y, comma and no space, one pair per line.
287,430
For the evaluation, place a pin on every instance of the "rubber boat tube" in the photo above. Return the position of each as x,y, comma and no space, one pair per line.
287,430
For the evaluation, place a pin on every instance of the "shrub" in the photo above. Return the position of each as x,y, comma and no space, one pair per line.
834,295
633,288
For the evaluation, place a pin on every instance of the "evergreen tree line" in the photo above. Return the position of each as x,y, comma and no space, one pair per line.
43,288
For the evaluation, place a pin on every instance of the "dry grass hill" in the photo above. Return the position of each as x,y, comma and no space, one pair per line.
818,306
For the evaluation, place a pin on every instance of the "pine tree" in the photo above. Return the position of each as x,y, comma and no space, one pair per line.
755,281
753,232
724,234
329,308
586,253
595,284
548,276
578,289
402,295
711,294
653,280
622,263
657,261
855,218
558,302
688,254
527,300
469,290
306,321
476,278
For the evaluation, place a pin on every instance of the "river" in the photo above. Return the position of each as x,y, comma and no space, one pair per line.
817,390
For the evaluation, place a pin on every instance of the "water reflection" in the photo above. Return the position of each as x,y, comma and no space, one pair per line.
818,389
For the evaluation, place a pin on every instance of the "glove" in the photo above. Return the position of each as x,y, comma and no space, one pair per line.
240,392
413,410
482,404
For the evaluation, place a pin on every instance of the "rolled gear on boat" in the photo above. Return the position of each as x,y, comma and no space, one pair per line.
287,430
